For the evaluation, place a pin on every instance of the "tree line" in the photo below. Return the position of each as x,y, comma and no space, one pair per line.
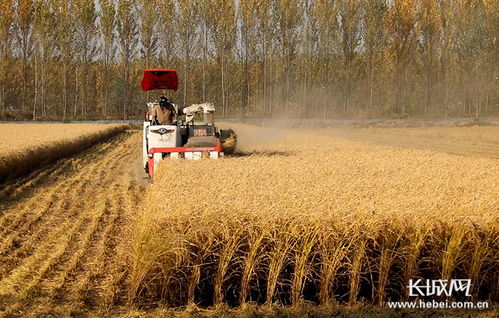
83,59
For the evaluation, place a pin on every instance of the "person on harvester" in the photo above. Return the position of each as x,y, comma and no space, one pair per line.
164,113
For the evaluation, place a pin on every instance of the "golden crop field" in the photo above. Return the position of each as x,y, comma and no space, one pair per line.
475,140
297,222
27,146
302,216
63,232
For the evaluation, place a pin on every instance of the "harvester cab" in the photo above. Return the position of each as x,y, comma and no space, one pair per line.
183,137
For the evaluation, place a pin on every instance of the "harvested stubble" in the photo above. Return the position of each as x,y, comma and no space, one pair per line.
336,222
27,146
63,233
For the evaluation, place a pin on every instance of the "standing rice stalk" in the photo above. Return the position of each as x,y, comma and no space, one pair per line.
357,261
334,249
416,237
390,238
228,242
283,243
481,263
286,226
255,240
452,251
303,251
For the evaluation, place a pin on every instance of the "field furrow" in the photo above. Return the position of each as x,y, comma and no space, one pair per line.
66,203
74,260
111,282
58,183
56,245
79,289
16,190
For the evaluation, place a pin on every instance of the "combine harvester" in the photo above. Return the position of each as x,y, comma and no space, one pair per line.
182,138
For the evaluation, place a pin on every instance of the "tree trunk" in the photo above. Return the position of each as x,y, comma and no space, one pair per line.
186,61
35,99
125,104
25,68
203,65
76,94
223,86
106,67
245,89
84,91
345,84
398,88
371,86
2,88
488,87
288,88
428,82
477,91
106,95
25,80
65,90
106,92
2,97
264,72
42,87
106,84
271,88
445,90
404,90
302,97
427,94
325,103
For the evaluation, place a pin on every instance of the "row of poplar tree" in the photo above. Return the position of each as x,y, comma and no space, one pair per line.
83,59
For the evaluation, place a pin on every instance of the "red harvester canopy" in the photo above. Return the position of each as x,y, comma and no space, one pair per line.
156,78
